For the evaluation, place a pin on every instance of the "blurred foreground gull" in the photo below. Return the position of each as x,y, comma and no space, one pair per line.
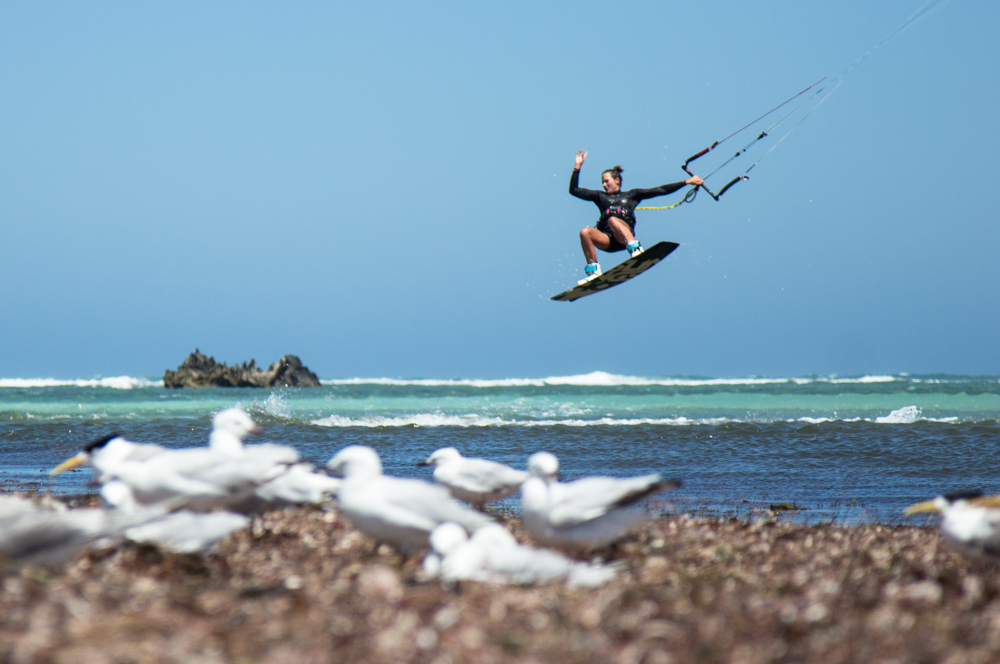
476,481
187,532
179,532
492,554
198,478
970,521
299,485
401,512
33,535
585,514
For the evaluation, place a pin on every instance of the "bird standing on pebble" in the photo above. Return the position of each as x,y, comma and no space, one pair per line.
585,514
476,481
401,512
970,521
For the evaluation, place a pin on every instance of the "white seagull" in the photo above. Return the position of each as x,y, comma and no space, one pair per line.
199,478
476,481
187,532
492,554
585,514
33,535
401,512
179,532
970,521
299,485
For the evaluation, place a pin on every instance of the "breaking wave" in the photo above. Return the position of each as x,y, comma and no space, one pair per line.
604,379
903,416
115,382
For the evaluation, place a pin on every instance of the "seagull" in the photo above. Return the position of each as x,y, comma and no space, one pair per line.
492,554
123,450
476,481
199,478
229,428
585,514
180,532
970,521
299,485
32,535
226,474
186,531
399,511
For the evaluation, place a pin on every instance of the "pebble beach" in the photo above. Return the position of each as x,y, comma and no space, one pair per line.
301,585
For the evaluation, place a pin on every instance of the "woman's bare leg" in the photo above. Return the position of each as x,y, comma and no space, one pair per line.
590,238
620,230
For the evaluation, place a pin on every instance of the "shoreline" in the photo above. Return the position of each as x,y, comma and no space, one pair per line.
303,585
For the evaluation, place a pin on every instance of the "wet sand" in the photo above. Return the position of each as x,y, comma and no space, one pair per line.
303,586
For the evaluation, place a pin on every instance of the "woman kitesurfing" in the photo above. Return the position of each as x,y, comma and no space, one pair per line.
615,230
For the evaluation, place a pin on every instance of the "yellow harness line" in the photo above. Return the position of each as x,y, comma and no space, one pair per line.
688,197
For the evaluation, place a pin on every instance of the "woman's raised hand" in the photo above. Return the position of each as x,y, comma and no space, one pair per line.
581,155
695,180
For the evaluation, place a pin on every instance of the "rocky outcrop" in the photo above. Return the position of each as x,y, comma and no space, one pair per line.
201,371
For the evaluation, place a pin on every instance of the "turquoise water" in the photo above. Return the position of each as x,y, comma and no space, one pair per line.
849,448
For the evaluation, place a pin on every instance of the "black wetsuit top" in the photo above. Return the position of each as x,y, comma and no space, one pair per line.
621,204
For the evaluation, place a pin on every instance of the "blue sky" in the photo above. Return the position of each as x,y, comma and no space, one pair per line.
381,188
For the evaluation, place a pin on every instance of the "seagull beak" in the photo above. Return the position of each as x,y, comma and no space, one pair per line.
69,464
423,463
256,430
986,501
921,508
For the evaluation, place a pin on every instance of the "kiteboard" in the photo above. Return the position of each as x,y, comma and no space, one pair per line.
620,273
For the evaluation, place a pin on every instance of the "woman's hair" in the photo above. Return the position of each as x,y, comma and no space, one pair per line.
616,172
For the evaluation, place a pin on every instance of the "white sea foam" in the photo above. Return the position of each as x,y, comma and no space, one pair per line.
604,379
593,379
440,420
274,405
904,415
907,415
862,380
116,382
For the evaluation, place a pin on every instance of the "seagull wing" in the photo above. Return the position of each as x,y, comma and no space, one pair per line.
270,452
300,485
479,475
577,502
188,532
432,503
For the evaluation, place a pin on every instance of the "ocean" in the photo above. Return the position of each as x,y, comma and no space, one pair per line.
845,449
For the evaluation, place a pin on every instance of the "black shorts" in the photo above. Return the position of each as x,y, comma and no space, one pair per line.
614,245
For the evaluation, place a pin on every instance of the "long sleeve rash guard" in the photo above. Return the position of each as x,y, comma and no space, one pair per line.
621,204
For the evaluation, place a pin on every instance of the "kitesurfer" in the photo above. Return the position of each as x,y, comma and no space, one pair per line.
615,230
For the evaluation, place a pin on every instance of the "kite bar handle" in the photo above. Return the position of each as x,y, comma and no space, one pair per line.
730,184
700,154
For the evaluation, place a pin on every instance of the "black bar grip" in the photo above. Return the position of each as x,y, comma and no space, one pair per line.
700,154
730,184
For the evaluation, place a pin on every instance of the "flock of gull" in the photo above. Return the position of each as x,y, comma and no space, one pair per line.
186,500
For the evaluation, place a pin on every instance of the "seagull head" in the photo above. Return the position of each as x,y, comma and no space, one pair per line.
442,456
543,465
447,537
355,461
114,445
234,421
950,501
